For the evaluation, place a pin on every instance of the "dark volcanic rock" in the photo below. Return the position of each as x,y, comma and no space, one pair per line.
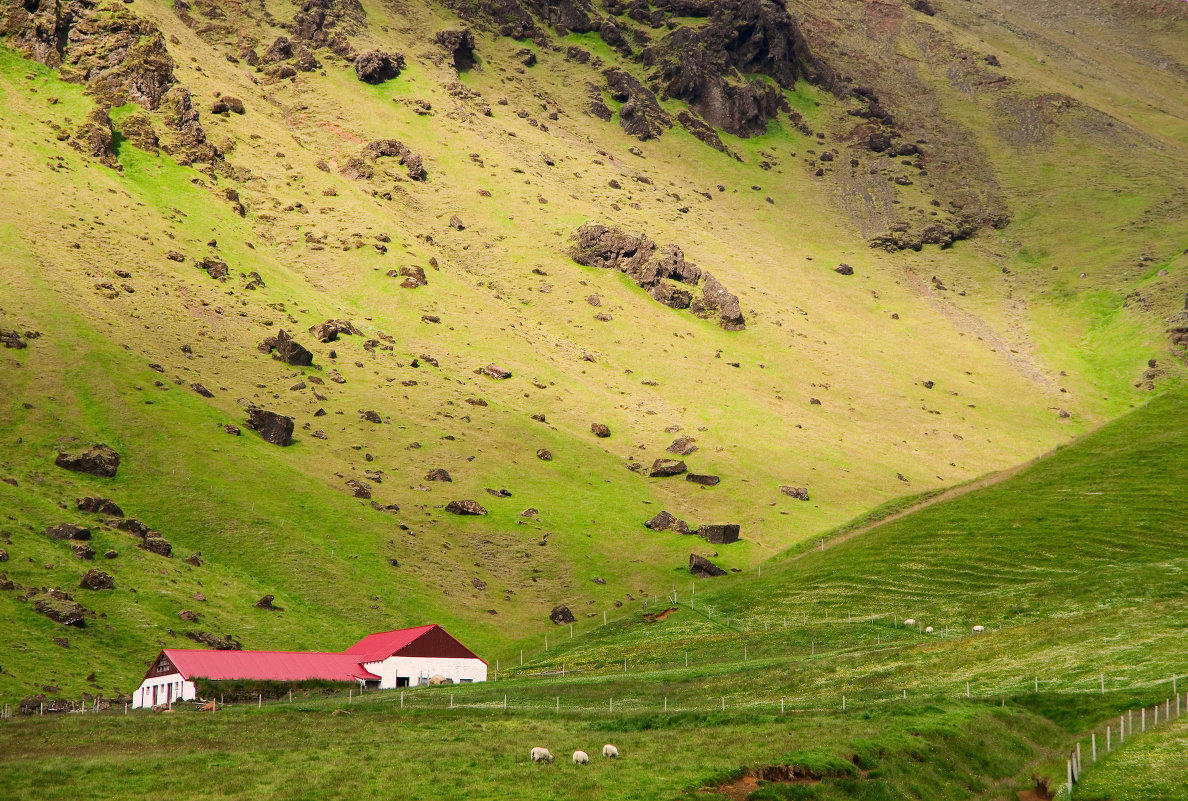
94,138
273,427
495,371
97,580
376,66
843,269
465,508
439,474
68,531
640,115
703,568
330,330
287,350
188,616
358,488
561,614
267,603
459,44
103,506
155,543
600,430
59,607
654,269
83,551
12,339
682,446
698,127
662,521
719,533
214,641
98,460
662,468
799,493
370,416
544,454
703,480
215,268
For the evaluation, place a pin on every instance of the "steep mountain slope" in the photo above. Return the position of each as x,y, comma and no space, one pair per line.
329,195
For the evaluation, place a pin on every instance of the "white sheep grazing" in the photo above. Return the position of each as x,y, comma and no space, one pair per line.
911,621
979,629
581,758
541,755
610,751
928,629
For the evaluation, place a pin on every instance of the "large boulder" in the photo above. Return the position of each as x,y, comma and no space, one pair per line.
465,507
330,330
496,372
682,446
600,429
703,480
103,506
267,603
799,493
661,521
287,350
376,66
438,474
663,468
703,568
155,543
561,614
717,300
272,427
59,607
97,460
459,45
719,533
68,531
97,580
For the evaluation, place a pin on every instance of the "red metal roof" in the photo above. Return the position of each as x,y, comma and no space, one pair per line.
375,647
267,665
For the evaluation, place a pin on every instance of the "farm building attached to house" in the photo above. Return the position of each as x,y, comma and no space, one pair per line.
408,657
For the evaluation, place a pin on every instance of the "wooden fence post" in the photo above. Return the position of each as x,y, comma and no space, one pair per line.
1093,737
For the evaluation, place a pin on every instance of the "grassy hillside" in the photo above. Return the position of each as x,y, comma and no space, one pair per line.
919,387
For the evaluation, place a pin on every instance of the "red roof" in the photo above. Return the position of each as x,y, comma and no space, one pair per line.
266,665
375,647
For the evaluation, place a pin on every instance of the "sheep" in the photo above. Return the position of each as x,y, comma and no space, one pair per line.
581,758
541,755
610,752
911,621
928,629
979,629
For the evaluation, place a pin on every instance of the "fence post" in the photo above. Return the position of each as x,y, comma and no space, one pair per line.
260,700
781,705
967,689
571,631
723,703
1103,684
1037,684
1093,737
505,702
1068,765
451,700
666,703
1107,738
1143,720
604,617
402,699
843,703
612,704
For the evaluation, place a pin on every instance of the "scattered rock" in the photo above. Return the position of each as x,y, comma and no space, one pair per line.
377,66
201,390
465,507
662,468
194,559
215,268
59,607
330,330
544,454
358,488
478,584
703,480
97,580
456,223
287,350
98,460
110,554
600,430
703,568
499,493
682,446
640,114
213,641
438,474
232,430
662,521
843,269
561,614
188,616
68,531
370,416
496,372
103,506
799,493
267,603
272,427
155,543
83,551
719,533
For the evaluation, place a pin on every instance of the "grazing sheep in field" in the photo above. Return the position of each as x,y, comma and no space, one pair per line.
581,758
541,755
610,751
979,629
928,630
911,621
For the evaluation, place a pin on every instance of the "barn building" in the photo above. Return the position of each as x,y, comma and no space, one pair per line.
389,659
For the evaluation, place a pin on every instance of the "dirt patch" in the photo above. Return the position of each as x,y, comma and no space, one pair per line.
658,616
752,779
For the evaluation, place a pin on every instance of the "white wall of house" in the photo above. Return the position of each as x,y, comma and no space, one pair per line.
414,668
170,688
